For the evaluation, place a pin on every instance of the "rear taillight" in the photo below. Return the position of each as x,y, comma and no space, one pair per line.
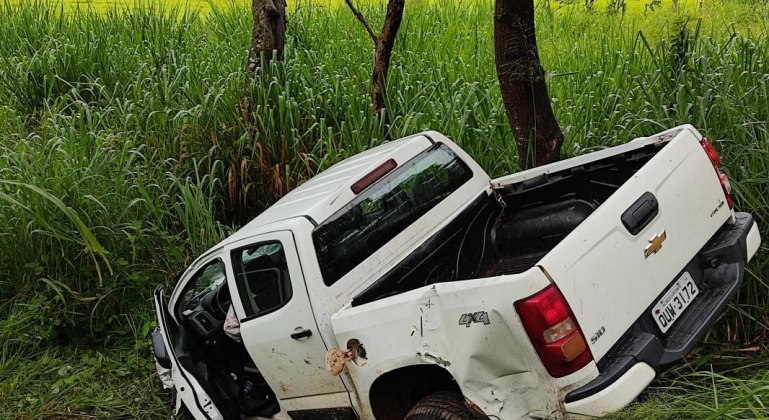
711,152
716,161
554,332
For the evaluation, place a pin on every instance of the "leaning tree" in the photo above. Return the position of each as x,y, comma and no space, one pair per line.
383,49
522,82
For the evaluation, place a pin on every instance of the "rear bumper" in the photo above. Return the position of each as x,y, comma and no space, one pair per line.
644,352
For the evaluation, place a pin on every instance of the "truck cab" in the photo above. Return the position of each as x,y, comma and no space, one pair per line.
405,278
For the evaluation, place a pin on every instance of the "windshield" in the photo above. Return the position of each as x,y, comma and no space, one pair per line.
385,209
207,279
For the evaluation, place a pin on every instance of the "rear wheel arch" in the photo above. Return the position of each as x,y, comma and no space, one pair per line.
396,392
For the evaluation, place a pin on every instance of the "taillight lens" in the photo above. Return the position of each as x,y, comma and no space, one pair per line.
716,161
711,152
554,332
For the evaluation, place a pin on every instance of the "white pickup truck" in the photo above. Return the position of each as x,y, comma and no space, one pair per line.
404,283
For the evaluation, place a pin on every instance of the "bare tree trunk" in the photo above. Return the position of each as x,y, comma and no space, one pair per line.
383,52
269,33
522,82
268,40
383,48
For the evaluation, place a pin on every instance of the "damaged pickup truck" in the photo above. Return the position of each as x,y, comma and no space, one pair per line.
404,283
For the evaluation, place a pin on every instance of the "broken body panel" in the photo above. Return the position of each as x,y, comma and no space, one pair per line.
493,363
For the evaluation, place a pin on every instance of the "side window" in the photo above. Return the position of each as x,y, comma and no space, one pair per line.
207,279
261,274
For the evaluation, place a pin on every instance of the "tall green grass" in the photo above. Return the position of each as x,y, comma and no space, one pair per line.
733,386
131,141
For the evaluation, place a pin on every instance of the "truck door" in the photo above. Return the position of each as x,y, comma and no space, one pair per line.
278,326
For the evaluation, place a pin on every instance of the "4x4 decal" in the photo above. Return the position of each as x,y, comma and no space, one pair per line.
479,317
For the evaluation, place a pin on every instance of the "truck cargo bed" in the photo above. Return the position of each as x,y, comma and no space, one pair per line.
513,228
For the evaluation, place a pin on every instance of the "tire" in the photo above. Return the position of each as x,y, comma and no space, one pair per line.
445,405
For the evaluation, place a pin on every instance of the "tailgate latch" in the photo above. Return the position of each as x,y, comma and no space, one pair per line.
641,213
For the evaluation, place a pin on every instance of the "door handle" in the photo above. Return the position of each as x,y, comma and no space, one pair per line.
303,333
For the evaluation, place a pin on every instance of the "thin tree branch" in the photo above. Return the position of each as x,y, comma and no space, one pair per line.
362,20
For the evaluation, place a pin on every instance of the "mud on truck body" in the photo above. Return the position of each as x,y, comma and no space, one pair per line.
403,282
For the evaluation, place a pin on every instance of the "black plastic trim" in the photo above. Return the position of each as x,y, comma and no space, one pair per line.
314,223
159,349
302,334
334,413
718,270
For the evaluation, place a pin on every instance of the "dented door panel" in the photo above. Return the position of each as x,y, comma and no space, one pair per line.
471,329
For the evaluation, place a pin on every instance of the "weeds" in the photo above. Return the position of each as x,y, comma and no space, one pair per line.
735,389
78,381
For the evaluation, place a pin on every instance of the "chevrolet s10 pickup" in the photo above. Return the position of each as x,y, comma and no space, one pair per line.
405,283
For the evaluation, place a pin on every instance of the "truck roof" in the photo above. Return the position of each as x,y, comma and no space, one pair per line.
327,192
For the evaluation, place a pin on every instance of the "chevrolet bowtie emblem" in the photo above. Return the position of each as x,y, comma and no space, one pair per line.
655,244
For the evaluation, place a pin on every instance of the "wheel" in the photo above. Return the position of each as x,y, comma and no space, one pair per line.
445,405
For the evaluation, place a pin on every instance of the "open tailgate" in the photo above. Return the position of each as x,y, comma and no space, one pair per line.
608,274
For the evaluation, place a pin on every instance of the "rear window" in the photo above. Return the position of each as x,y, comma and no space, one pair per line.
385,209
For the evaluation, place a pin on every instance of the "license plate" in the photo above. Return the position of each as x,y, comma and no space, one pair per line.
674,302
